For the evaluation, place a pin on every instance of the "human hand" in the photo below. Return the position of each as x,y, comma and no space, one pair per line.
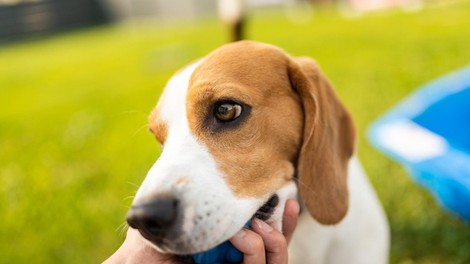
136,250
264,244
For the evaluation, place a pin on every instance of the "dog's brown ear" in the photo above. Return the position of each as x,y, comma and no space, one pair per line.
328,144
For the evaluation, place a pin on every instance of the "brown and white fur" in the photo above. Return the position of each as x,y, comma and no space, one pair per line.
292,135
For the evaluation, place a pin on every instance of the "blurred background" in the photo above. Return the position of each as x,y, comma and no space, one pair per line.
78,79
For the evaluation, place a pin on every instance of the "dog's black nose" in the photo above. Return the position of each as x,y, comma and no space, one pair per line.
153,218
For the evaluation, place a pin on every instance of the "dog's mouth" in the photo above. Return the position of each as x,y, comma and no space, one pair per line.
267,210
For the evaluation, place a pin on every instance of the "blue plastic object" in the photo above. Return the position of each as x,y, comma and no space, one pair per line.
429,133
221,254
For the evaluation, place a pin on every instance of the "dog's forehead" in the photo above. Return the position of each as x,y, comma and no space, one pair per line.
246,62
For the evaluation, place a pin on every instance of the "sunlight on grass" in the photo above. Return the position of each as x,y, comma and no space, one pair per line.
74,108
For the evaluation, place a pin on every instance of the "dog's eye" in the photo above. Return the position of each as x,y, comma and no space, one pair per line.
227,112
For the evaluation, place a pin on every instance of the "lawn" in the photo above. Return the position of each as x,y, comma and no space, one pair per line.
73,109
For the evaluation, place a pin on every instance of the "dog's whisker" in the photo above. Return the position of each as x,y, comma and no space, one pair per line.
129,197
133,184
303,184
306,197
125,206
132,112
122,229
139,130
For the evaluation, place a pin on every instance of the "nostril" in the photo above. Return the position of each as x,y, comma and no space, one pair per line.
152,226
155,217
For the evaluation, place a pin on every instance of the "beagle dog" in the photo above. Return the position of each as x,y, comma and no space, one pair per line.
242,130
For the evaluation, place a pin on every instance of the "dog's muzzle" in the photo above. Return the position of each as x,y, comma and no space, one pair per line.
158,218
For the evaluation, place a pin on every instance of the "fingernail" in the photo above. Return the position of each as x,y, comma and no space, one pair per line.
240,234
263,225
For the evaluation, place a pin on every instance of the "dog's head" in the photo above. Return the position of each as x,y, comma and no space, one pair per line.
238,127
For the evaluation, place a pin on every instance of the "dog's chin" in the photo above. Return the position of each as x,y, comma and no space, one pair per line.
169,246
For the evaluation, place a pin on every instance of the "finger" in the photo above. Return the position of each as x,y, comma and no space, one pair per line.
136,250
274,241
291,215
251,245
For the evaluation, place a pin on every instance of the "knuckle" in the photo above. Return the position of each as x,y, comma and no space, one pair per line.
258,243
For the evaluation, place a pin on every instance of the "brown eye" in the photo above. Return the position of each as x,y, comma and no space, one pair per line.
228,112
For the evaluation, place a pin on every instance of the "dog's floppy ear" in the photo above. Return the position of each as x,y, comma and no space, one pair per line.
328,143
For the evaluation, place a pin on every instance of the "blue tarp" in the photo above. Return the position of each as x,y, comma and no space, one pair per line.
429,133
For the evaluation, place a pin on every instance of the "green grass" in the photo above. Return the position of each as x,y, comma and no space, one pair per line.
73,109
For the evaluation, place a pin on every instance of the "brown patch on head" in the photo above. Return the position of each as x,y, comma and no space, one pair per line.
157,126
256,152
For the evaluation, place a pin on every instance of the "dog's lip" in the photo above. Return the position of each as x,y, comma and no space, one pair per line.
265,211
